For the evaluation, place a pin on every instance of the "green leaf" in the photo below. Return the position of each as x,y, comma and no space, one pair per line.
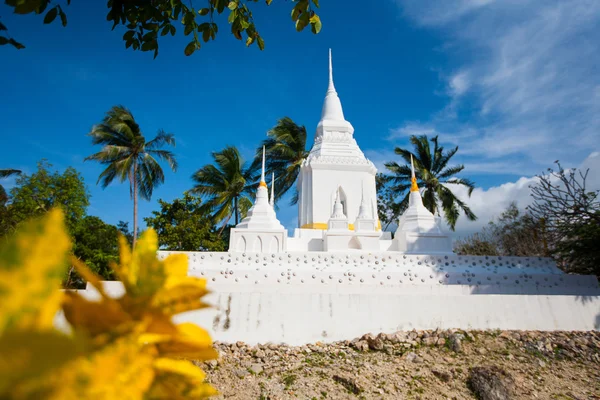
302,22
165,30
206,34
173,30
150,45
232,5
316,3
16,44
260,42
63,17
249,41
190,48
26,7
2,27
3,40
315,24
232,16
269,2
203,11
128,35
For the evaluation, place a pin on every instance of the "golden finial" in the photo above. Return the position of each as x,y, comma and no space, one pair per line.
413,178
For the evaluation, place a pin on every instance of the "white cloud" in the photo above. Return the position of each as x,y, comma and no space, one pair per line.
459,83
527,77
489,203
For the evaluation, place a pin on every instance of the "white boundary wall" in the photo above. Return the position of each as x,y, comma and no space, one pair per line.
265,301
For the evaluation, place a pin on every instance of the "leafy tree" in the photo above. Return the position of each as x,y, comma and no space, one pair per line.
127,155
285,150
5,173
44,189
226,186
185,226
514,233
433,175
96,243
147,20
570,213
123,227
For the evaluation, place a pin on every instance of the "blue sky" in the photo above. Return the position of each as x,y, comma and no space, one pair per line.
515,84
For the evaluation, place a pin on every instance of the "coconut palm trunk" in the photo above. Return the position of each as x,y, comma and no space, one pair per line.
135,205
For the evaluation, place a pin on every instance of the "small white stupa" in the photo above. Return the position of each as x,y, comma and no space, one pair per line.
418,231
260,231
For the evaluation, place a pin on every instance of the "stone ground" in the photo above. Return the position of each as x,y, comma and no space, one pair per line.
415,365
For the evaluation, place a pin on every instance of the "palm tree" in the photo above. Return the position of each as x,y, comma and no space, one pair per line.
226,186
5,173
285,149
433,175
127,155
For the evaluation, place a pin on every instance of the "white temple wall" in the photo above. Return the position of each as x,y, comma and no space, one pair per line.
300,314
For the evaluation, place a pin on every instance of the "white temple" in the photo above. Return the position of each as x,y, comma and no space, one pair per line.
337,201
339,277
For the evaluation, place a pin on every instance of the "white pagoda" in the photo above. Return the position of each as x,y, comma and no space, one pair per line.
337,201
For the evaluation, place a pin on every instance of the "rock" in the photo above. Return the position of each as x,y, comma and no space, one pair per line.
430,340
398,337
481,350
442,375
212,363
412,357
259,354
361,345
375,343
256,368
441,341
541,363
349,383
490,383
241,373
455,342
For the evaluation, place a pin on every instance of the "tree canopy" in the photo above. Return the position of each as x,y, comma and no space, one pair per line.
185,226
96,243
45,189
146,21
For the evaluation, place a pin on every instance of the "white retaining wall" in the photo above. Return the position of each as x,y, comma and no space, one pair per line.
294,299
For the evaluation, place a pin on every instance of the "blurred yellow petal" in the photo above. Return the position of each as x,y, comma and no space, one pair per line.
176,264
191,342
202,391
120,370
29,354
88,275
32,264
92,317
180,295
180,367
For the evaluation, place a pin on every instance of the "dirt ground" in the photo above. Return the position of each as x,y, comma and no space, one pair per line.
412,365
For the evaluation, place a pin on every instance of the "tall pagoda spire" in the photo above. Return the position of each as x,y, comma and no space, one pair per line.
332,107
272,199
262,172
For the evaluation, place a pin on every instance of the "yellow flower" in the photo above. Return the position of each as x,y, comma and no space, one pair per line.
33,262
